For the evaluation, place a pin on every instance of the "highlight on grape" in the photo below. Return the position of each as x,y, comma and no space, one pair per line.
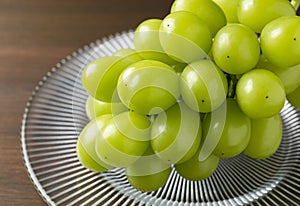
206,82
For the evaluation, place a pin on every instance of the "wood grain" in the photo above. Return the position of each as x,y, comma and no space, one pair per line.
34,36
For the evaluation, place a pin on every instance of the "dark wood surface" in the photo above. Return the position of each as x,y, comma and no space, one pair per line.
34,36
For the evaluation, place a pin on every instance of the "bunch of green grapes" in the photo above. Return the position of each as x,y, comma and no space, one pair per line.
206,82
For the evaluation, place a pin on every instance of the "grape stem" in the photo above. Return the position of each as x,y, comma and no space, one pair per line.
232,81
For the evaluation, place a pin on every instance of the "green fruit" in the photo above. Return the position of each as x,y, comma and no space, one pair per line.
294,98
260,93
95,108
150,183
86,145
185,37
196,170
264,63
256,14
124,138
147,43
280,41
231,135
203,86
266,135
236,49
290,78
87,161
176,134
148,86
100,77
148,173
207,10
229,8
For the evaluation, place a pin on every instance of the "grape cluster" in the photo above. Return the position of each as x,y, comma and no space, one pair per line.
206,82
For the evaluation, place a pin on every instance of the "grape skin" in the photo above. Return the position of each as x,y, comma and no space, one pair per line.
153,136
230,132
260,93
265,137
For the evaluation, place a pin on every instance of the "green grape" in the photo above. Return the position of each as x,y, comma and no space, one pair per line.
148,86
128,53
87,161
206,10
95,108
203,86
196,170
260,93
266,135
148,173
264,63
185,37
124,138
149,163
133,125
100,77
146,41
228,129
229,7
290,77
294,98
258,13
86,145
149,183
176,134
280,41
236,49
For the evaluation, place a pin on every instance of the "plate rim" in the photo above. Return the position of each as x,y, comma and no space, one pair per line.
76,54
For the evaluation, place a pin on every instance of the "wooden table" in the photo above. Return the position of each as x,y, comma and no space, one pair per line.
34,36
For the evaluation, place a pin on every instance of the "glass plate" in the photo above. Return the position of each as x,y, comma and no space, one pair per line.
55,115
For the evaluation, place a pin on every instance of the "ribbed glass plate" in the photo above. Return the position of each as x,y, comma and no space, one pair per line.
55,114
